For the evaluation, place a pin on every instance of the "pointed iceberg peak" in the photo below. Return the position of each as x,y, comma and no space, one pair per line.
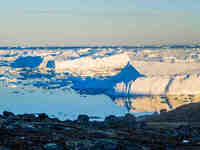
128,73
130,70
128,64
129,67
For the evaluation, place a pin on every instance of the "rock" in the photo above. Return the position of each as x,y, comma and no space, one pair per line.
8,114
130,118
4,148
104,133
83,119
52,146
105,146
28,128
111,119
128,121
163,111
133,147
185,113
55,120
79,144
141,124
97,124
114,133
2,121
27,117
36,148
43,116
11,127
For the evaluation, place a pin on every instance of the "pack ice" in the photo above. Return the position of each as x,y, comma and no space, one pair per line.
116,72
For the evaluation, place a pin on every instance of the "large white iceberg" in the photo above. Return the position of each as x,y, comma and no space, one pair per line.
129,82
90,66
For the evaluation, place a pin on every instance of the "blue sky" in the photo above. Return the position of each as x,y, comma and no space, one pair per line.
100,22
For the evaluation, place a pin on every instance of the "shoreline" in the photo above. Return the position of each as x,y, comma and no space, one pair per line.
31,132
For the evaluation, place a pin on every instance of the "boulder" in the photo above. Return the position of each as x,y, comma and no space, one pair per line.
8,114
43,116
83,119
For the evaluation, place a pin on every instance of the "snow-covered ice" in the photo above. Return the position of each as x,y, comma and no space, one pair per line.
114,72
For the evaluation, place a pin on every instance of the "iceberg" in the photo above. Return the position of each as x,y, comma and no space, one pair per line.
110,71
90,66
129,82
107,85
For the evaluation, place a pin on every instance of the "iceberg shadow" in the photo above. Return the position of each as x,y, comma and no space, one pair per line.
107,86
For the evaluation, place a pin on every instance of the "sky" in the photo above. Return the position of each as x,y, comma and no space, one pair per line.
99,22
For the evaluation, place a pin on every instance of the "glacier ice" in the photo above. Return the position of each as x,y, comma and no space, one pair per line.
114,72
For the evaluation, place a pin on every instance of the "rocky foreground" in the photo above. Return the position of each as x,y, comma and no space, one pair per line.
40,132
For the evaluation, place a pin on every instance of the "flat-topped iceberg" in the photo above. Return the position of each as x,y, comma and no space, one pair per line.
159,86
91,66
129,82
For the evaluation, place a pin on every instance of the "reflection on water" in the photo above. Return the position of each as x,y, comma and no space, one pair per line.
65,105
34,90
27,88
155,103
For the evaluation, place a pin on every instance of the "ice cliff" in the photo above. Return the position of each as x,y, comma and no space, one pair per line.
129,82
